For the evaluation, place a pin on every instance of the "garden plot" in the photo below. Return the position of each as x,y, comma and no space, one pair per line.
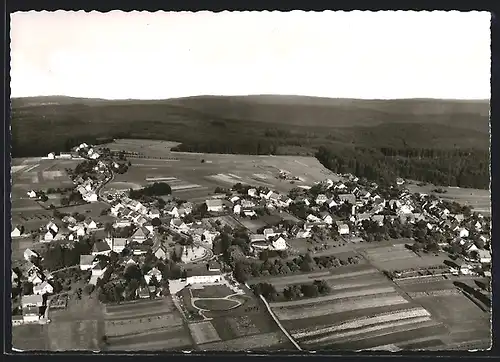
80,335
319,309
203,332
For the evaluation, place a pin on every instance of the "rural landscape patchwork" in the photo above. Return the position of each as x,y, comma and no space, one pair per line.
257,223
129,244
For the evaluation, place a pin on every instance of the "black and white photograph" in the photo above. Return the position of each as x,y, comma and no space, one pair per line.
250,181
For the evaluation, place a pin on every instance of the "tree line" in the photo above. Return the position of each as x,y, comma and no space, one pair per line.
462,168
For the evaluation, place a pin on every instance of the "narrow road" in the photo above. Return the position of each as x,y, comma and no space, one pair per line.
279,324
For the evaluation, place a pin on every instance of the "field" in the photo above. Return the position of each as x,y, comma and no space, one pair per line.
251,225
145,325
467,323
215,304
366,310
479,200
211,291
191,179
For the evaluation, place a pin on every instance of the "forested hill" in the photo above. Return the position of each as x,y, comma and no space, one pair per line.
269,124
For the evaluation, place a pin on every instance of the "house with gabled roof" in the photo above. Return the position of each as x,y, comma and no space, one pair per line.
87,262
342,228
140,235
321,199
16,231
31,194
326,217
350,198
48,236
43,288
98,270
52,226
101,248
179,225
30,305
215,205
28,254
160,251
154,213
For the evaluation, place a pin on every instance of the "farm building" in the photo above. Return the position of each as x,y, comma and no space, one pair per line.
31,305
116,244
302,234
87,262
43,288
51,156
154,213
121,223
237,209
179,225
279,243
143,293
257,237
31,194
326,217
148,226
214,205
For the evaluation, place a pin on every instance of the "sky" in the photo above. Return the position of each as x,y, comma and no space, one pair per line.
140,55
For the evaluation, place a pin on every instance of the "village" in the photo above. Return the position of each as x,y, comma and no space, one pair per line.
157,245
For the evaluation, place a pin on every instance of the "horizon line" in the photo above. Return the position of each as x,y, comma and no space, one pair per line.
253,95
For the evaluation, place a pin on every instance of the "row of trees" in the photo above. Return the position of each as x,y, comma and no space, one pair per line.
156,189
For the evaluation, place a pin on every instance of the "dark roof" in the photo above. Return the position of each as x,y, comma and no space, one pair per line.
100,246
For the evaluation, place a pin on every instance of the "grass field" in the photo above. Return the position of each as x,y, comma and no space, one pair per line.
145,325
203,332
78,327
248,343
211,291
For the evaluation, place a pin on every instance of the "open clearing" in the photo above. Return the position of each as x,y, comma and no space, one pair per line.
479,200
248,343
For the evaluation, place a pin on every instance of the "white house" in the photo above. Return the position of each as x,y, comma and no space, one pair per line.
234,199
302,234
266,195
90,197
269,233
279,244
237,209
31,305
31,194
179,225
87,262
48,236
52,226
478,226
249,213
28,254
98,270
252,192
149,227
321,199
121,223
312,218
91,224
214,205
209,236
327,218
51,156
116,244
343,229
43,288
154,213
16,232
484,256
115,210
172,210
331,203
463,233
160,252
247,204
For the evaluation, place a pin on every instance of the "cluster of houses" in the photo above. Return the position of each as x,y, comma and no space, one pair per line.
88,151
